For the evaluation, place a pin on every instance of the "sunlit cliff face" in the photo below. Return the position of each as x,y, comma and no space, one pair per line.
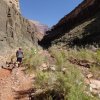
14,3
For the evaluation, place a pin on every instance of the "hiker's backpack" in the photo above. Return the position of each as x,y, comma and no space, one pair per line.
19,54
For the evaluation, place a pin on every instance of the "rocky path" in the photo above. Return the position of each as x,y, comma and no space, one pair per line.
12,82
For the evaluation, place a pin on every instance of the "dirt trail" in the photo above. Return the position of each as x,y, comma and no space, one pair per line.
14,81
11,82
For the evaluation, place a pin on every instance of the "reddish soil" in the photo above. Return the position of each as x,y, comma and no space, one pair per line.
4,73
11,82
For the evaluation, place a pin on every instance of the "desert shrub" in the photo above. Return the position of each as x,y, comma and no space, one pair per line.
59,56
45,79
32,59
72,86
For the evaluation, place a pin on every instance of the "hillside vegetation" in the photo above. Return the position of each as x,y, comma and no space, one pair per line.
62,74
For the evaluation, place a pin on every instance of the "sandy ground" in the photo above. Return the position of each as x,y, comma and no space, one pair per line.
10,82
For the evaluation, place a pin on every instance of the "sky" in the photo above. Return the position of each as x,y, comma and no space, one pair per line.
47,12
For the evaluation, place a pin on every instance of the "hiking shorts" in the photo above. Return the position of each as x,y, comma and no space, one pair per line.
19,60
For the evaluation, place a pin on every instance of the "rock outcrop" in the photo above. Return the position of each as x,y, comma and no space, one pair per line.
42,28
87,13
14,3
15,30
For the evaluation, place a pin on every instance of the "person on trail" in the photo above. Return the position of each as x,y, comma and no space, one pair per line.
19,55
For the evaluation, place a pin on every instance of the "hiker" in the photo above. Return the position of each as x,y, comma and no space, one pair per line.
19,55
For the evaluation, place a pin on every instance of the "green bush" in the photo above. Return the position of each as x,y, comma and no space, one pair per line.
45,79
72,86
32,59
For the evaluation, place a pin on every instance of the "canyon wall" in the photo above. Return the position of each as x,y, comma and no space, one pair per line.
14,3
15,30
87,13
